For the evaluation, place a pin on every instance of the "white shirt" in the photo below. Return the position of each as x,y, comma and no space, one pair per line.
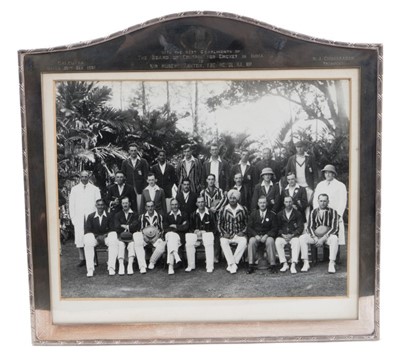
243,167
127,213
214,169
301,171
162,167
288,213
337,193
152,191
178,213
188,164
267,188
186,195
262,215
237,187
121,188
134,161
292,189
202,214
235,210
100,217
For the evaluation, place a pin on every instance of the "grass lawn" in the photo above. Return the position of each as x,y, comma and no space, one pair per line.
198,283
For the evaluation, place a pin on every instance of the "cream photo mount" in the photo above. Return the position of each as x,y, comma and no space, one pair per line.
61,320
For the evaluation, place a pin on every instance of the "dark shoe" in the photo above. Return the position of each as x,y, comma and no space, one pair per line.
81,264
178,265
251,269
273,269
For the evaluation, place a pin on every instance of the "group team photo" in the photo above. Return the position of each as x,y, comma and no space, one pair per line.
203,188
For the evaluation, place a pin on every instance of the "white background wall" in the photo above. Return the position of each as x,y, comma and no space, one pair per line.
38,24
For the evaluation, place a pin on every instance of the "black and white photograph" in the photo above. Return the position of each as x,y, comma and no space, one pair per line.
206,189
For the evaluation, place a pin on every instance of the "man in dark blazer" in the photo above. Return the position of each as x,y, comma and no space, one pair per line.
245,197
203,228
135,170
98,230
126,222
306,170
165,175
155,194
247,170
186,198
268,189
118,190
218,167
290,227
262,229
298,194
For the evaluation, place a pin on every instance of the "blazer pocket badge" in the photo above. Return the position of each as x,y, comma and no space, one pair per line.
139,172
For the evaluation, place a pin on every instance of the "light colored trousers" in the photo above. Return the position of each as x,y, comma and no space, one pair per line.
295,248
89,244
192,243
173,243
139,244
332,241
241,247
130,248
269,248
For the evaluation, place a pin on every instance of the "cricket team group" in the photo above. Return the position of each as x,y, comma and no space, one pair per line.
171,211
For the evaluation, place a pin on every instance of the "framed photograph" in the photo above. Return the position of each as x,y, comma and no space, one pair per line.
202,178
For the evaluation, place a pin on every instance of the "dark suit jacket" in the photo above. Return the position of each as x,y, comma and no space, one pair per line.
299,199
223,174
167,180
188,207
182,224
268,226
136,176
92,225
132,221
245,197
273,197
311,171
249,179
159,201
208,223
113,193
293,225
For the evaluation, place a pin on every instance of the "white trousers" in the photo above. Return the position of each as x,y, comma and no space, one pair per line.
173,243
269,248
310,194
207,239
89,244
139,244
130,247
295,247
241,247
342,239
332,241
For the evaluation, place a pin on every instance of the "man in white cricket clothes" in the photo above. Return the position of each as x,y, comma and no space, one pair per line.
337,193
82,202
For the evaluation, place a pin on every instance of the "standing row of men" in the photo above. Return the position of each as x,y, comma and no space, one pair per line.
206,185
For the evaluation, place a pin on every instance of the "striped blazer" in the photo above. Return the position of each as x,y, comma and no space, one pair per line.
230,225
330,218
216,199
157,221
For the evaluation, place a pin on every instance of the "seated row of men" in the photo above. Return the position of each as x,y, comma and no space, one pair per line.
125,230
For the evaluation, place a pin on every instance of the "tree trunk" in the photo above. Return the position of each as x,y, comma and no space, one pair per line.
196,110
144,108
342,116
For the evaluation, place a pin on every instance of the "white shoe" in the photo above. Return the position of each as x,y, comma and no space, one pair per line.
284,267
151,266
232,268
143,270
331,268
210,270
90,273
306,267
121,270
188,269
293,268
111,271
130,269
171,270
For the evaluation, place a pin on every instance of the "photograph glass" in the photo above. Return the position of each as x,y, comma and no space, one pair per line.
286,131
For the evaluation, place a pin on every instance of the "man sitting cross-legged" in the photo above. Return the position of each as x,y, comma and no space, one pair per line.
98,230
203,225
126,222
